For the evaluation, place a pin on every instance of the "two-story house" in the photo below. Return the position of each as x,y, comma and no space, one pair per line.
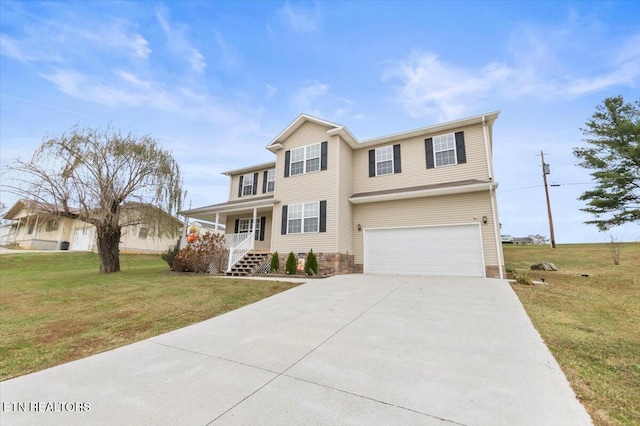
416,202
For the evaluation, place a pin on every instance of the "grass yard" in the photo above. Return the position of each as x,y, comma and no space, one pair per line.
591,324
56,307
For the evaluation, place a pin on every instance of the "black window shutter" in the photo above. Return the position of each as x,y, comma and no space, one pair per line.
237,225
263,222
255,183
324,146
240,186
264,182
283,230
397,167
428,146
287,161
323,216
372,162
460,151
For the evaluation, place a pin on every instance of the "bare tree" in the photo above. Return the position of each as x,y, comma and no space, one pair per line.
94,175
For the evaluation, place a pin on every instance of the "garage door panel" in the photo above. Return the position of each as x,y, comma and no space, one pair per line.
431,250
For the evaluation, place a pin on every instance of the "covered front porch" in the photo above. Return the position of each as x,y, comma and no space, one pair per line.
248,224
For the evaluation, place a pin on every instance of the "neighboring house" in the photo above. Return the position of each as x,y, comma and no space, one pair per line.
33,227
417,202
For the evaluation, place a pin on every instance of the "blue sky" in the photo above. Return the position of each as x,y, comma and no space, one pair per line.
215,82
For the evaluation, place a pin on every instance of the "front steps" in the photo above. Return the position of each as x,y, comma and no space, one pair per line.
249,264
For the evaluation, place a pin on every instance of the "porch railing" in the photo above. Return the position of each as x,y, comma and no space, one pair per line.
238,245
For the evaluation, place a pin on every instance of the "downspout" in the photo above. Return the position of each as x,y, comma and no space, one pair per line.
338,194
492,198
496,229
486,148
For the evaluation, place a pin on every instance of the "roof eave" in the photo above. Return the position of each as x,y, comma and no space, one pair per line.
423,193
436,128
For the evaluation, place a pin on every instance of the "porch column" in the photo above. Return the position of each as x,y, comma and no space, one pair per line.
215,228
253,231
36,230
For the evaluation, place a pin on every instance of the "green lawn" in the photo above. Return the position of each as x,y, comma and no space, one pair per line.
590,323
56,307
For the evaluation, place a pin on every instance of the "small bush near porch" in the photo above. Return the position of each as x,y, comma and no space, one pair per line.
55,307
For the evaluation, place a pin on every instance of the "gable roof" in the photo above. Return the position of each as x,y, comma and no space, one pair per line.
276,143
354,143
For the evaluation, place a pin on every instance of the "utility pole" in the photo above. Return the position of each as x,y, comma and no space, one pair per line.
545,172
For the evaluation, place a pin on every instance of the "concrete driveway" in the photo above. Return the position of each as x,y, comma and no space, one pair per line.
354,349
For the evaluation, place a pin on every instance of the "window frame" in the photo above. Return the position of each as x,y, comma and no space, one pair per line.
304,211
306,158
247,178
141,231
52,225
271,180
453,148
391,162
249,225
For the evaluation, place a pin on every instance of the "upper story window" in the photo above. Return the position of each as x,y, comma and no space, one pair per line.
306,159
248,185
384,161
270,180
444,150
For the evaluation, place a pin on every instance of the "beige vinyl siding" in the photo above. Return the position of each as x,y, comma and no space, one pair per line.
306,188
414,167
235,182
442,210
344,218
259,245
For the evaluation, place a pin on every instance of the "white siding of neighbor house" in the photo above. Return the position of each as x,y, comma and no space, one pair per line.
41,239
440,210
130,242
305,188
414,167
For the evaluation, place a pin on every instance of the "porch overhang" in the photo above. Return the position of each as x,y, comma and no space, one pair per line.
236,207
423,191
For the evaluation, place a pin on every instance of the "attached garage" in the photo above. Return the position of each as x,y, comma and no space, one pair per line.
428,250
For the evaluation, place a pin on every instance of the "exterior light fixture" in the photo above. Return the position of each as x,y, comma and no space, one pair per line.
359,227
484,220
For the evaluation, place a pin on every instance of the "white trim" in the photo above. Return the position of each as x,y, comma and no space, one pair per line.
248,169
454,149
424,193
375,154
276,143
306,158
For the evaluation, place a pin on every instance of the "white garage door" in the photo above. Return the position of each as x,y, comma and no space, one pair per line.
430,250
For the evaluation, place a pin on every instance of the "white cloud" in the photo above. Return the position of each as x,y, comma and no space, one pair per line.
301,19
543,63
431,86
178,42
